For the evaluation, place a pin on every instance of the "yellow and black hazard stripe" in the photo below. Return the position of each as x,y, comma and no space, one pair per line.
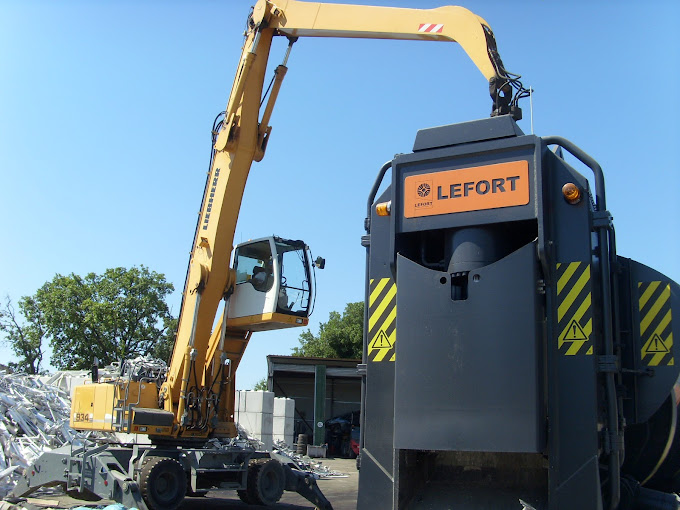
574,309
656,332
382,320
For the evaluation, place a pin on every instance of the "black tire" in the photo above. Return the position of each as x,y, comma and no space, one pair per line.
301,444
243,496
266,480
163,483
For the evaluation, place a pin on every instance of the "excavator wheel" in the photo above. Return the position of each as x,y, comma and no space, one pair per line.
243,496
266,480
162,483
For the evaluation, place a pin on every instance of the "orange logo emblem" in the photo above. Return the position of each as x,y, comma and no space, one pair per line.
467,189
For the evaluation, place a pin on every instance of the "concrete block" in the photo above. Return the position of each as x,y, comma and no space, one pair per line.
256,423
284,407
267,421
283,425
259,401
279,406
279,424
246,421
240,401
268,441
290,408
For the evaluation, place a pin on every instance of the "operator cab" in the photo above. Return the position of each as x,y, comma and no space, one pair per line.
273,287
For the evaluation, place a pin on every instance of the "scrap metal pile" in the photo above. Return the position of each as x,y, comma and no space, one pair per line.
34,417
286,455
305,463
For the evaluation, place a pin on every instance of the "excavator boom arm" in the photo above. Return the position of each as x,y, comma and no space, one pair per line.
448,24
241,139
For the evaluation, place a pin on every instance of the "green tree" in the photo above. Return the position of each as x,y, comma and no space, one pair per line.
117,315
340,337
23,337
261,385
163,348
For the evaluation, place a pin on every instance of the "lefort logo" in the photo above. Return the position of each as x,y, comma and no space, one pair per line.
467,189
423,198
424,189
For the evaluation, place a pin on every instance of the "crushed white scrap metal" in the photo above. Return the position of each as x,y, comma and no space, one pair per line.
305,463
34,417
301,462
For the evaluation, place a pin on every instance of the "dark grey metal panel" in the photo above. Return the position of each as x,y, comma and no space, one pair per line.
377,464
375,484
653,301
572,384
581,490
465,132
468,372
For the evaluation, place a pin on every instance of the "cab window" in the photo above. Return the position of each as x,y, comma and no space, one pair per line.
254,265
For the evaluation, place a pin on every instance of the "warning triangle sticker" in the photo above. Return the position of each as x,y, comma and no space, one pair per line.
382,342
657,345
574,333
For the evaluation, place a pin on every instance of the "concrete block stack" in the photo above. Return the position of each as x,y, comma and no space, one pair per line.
264,417
255,413
284,416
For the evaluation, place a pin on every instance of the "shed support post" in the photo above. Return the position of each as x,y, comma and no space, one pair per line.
319,404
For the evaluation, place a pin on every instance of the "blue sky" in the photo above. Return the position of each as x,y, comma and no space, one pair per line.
106,109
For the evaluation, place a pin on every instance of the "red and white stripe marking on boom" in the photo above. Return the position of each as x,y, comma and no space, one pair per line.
431,28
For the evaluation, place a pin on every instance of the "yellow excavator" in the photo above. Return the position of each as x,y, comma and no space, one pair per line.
188,410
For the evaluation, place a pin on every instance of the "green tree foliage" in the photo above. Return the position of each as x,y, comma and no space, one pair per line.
117,315
163,348
23,337
340,337
261,385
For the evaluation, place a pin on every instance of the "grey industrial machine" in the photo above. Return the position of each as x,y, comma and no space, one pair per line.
512,359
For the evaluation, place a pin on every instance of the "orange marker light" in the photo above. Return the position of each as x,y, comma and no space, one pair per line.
572,193
384,208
